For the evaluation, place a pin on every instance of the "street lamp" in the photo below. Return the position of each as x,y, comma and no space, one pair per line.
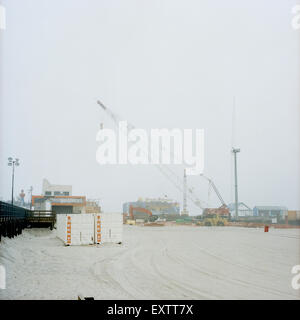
12,163
30,190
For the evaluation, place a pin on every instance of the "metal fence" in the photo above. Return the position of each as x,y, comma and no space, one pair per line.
13,219
11,212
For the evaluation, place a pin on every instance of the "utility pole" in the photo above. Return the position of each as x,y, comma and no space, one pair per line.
12,163
184,211
235,151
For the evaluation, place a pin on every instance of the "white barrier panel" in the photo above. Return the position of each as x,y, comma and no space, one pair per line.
82,229
108,227
75,229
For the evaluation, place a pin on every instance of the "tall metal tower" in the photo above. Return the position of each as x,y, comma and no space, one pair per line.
184,211
235,151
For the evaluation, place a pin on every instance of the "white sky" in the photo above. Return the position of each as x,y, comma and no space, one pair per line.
159,64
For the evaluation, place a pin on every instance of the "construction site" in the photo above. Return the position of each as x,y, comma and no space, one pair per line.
80,251
149,150
161,211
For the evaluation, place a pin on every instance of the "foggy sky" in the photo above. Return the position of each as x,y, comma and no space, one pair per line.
159,64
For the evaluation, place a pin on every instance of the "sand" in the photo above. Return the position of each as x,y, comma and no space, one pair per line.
175,262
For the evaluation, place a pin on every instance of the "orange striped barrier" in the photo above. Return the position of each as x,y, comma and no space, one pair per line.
98,229
69,230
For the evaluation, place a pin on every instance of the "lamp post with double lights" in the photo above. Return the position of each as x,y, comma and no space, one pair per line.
30,190
12,162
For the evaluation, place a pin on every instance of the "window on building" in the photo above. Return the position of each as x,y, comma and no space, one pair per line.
66,193
57,193
48,193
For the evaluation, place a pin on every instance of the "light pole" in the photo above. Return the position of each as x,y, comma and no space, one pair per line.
12,163
30,190
235,151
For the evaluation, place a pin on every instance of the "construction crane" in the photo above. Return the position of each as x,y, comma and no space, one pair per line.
215,189
216,216
166,171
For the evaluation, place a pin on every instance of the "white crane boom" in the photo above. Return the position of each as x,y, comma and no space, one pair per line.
215,189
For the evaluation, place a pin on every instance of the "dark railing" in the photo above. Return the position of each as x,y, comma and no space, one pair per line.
14,219
8,210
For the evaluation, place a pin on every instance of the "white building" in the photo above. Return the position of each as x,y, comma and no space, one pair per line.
56,189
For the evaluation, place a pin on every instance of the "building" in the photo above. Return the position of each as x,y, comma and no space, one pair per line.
156,206
60,204
270,212
294,217
243,210
56,189
92,206
59,199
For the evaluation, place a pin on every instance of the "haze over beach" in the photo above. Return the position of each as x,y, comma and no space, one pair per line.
149,151
159,65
